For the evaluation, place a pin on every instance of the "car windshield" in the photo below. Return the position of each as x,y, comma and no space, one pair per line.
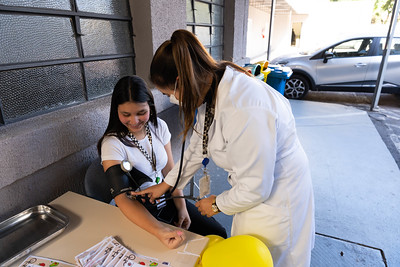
352,48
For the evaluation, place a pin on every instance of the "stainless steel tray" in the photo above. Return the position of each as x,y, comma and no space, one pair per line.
26,231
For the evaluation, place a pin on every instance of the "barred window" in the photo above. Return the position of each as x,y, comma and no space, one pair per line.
57,53
206,20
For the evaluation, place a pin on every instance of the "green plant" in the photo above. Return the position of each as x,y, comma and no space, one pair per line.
382,11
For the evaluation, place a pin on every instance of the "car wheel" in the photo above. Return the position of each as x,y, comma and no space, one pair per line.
296,87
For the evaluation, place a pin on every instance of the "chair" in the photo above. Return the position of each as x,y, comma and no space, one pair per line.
95,182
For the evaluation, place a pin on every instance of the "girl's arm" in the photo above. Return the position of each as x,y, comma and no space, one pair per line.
183,216
139,215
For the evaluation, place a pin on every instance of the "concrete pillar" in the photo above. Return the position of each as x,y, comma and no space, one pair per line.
235,31
154,22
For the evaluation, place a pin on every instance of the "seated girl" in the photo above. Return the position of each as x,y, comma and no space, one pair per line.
135,134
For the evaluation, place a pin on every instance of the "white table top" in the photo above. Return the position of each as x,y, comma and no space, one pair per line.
90,221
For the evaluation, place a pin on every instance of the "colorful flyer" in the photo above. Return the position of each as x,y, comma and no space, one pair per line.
109,252
35,261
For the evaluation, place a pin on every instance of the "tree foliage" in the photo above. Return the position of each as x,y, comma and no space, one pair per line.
382,11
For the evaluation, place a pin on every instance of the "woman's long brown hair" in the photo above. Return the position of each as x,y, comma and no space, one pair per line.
185,57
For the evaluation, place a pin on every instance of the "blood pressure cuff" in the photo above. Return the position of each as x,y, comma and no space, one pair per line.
120,182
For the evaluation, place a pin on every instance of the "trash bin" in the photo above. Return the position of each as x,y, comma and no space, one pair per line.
266,72
278,77
263,64
256,70
264,69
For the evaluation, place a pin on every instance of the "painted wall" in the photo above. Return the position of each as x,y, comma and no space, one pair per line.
281,34
257,33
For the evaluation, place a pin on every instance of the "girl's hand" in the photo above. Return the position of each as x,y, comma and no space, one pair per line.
153,192
183,215
183,219
171,238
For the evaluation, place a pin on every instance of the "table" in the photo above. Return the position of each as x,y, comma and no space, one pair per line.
90,221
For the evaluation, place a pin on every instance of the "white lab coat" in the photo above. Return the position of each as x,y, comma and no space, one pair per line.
253,137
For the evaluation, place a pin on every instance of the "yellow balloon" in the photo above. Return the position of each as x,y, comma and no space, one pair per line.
237,251
213,239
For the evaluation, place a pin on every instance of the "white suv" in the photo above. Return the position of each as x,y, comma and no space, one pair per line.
350,65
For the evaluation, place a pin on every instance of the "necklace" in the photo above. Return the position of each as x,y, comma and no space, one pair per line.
209,116
152,159
208,119
204,182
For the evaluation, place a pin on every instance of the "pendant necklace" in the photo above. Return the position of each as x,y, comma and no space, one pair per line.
152,159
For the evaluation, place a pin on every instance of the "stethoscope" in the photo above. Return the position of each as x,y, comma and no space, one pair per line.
126,166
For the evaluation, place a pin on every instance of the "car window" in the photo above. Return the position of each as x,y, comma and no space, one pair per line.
352,48
394,47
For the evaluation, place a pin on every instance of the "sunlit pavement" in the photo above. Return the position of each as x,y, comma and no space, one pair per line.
386,118
356,185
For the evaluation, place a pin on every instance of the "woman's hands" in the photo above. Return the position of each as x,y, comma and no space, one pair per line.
171,238
153,192
204,206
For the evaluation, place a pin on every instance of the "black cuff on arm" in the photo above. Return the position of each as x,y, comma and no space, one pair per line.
119,181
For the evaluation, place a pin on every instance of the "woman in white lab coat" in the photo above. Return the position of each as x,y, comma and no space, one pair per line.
251,134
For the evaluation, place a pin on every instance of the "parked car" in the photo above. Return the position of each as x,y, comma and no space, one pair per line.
349,65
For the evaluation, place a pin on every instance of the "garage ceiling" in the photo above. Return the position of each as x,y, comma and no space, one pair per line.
281,6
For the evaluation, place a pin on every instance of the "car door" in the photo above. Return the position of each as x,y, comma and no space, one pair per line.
391,76
347,66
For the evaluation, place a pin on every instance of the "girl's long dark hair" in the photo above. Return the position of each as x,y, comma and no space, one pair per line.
185,57
127,89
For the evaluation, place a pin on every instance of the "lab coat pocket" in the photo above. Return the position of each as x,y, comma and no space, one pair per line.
268,223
